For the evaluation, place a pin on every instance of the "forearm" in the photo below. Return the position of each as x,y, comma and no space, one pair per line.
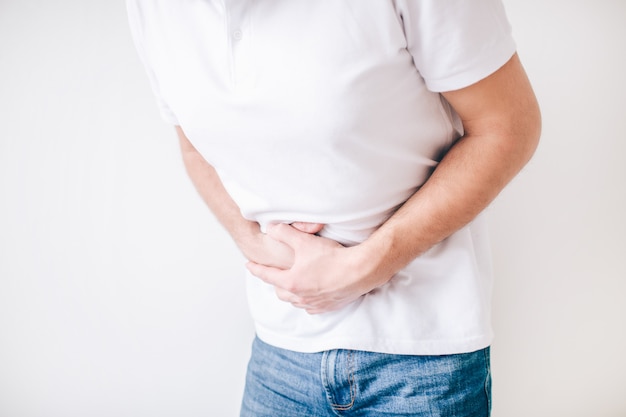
502,126
253,244
467,180
212,191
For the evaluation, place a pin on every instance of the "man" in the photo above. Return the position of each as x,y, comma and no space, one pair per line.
349,148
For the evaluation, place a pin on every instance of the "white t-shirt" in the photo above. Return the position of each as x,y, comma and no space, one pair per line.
327,111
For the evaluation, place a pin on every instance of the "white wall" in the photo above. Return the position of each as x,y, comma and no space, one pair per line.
558,231
119,294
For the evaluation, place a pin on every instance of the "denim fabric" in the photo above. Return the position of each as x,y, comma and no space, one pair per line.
282,383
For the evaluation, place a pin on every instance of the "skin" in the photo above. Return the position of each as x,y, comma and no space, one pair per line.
502,126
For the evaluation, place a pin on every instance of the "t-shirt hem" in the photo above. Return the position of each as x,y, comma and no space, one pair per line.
390,346
168,117
490,61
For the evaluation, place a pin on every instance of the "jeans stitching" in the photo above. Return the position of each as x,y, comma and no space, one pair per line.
352,384
487,381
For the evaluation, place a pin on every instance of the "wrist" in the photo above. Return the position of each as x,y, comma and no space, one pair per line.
371,264
384,254
245,234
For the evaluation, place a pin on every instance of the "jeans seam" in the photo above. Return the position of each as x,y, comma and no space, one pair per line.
487,381
351,383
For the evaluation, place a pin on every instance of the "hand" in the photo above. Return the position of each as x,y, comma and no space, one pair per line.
260,248
324,275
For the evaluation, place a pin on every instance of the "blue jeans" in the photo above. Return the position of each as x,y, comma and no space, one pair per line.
282,383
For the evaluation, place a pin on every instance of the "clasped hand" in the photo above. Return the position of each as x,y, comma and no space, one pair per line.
321,276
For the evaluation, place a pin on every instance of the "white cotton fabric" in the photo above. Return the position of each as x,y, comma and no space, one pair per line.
328,111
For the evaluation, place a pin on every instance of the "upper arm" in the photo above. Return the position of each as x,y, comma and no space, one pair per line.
503,104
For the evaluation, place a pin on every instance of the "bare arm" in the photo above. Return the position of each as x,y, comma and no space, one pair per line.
502,126
246,234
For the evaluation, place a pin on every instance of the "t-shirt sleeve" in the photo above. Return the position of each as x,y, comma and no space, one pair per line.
136,22
456,43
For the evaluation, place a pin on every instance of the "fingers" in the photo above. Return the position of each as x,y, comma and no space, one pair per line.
311,228
287,234
265,273
309,306
280,280
291,298
312,304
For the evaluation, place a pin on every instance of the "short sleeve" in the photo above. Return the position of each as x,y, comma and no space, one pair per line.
456,43
136,22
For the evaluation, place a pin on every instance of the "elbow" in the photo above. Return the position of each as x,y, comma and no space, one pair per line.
532,130
524,130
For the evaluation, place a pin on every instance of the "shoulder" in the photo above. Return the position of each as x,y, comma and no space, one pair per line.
455,43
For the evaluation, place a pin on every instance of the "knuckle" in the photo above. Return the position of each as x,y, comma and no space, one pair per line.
261,275
278,228
283,295
310,301
293,287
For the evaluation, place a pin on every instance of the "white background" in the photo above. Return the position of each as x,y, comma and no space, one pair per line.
121,296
